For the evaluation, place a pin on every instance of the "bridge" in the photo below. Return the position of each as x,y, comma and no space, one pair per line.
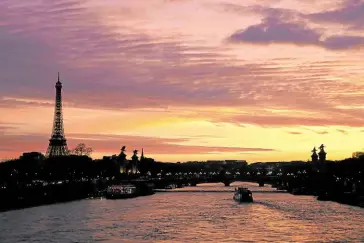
191,180
215,191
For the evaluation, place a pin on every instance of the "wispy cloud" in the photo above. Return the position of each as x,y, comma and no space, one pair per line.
295,133
342,131
282,121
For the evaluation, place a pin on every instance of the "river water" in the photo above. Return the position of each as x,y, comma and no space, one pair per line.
208,215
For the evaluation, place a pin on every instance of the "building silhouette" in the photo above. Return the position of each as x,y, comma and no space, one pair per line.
32,155
57,142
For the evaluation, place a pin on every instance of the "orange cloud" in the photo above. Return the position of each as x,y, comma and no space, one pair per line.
111,144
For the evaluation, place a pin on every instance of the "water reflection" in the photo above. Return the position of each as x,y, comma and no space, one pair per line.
188,217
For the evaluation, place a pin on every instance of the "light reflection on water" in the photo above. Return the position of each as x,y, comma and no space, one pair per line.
187,217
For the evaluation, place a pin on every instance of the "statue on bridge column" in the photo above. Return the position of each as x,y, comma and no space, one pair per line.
122,161
314,155
322,153
134,162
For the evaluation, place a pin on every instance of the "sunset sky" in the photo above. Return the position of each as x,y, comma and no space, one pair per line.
262,80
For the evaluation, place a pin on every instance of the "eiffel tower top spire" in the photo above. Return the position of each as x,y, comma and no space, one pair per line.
58,85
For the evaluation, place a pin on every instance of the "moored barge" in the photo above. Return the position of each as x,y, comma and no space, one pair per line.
121,191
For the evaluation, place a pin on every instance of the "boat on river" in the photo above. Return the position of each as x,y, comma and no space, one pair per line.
243,194
300,191
121,191
324,196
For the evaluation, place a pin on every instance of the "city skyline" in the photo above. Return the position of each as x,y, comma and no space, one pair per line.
185,80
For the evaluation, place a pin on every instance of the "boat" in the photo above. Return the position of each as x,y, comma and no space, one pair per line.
243,194
121,191
146,189
171,186
361,201
300,191
324,196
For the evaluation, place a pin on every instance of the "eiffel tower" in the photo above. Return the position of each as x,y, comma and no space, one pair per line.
57,142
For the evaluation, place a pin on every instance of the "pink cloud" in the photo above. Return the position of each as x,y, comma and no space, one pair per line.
273,30
351,13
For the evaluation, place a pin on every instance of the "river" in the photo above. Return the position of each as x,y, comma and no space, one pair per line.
210,216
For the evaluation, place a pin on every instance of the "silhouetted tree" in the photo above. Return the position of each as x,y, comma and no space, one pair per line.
358,155
82,150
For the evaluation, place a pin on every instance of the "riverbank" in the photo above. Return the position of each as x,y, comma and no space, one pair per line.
24,197
342,197
348,198
58,192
